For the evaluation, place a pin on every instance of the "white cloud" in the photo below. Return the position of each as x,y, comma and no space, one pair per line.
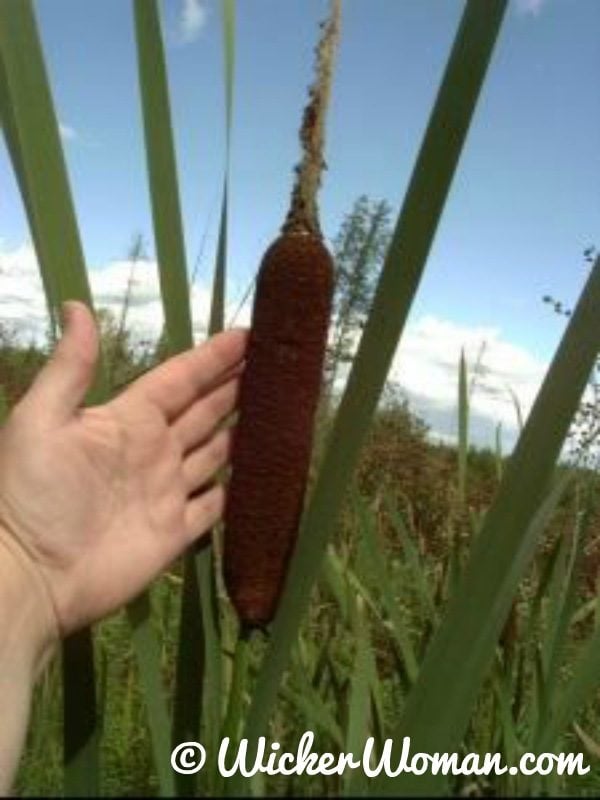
67,133
22,303
191,20
425,365
530,7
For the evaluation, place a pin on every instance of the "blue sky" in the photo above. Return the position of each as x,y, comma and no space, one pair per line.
523,205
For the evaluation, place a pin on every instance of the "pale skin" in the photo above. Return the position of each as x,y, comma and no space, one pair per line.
96,502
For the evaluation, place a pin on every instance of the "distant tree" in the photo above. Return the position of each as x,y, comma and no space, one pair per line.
583,441
359,250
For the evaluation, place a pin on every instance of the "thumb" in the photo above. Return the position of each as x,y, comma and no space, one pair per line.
61,385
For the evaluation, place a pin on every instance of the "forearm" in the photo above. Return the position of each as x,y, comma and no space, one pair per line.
26,641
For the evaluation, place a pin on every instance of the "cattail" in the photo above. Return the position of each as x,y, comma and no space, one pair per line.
282,379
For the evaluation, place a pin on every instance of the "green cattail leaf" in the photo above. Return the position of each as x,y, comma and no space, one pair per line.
33,138
332,576
229,50
162,173
376,561
11,137
31,128
581,687
412,557
511,746
498,459
205,563
189,668
561,613
217,309
168,233
318,717
359,702
463,429
404,265
235,703
139,614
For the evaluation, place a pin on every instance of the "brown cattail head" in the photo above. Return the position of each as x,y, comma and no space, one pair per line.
278,399
281,382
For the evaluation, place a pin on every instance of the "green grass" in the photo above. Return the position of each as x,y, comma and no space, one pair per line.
347,676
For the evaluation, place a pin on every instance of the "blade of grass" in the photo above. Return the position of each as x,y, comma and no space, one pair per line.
561,615
438,708
318,716
590,744
375,559
463,429
235,706
555,598
217,309
517,407
212,664
563,609
404,265
333,580
231,724
579,690
4,409
359,702
412,557
498,460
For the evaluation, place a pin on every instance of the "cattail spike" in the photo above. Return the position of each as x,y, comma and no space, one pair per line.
272,443
281,382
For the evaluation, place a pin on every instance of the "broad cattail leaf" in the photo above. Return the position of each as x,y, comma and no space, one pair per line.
31,128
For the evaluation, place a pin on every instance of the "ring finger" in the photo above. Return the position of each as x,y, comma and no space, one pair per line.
203,462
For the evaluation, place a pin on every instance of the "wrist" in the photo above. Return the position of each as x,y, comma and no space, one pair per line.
28,628
27,637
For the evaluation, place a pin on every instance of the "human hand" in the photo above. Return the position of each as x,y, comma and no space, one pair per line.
96,502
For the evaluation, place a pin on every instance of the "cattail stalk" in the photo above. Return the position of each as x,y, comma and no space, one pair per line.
282,379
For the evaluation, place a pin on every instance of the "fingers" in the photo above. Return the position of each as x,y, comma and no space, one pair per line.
205,461
174,385
201,418
203,512
61,385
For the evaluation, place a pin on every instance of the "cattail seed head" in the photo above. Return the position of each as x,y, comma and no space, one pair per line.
272,445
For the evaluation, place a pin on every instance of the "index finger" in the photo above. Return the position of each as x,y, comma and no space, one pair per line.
175,384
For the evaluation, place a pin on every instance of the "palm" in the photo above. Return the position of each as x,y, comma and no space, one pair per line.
104,501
